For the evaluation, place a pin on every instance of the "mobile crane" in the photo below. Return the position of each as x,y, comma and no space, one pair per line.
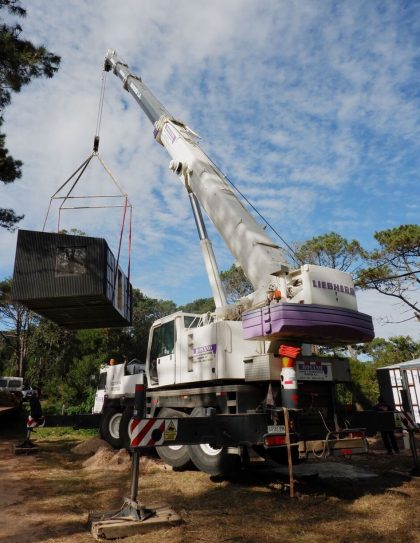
250,357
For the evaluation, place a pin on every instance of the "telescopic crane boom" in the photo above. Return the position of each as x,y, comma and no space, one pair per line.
258,256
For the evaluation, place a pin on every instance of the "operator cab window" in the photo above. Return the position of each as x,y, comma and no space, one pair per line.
163,342
191,322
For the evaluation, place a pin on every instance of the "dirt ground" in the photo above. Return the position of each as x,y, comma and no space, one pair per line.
46,497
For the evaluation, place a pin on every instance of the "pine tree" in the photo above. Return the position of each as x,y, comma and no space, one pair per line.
20,62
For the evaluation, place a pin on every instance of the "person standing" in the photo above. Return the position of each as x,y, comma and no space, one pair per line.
388,436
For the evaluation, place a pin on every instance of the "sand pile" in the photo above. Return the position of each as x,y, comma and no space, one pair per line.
90,446
149,465
103,456
107,458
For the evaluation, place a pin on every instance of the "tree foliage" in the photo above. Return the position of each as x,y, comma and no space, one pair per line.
201,305
365,389
386,352
377,354
17,324
331,250
50,352
394,267
20,62
145,312
235,283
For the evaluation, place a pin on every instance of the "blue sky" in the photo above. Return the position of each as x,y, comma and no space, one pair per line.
311,108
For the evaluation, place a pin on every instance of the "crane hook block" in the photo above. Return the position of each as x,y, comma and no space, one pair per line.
96,144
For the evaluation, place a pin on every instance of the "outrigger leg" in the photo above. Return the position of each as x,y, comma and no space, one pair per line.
133,517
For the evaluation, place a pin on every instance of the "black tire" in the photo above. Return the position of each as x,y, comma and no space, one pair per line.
110,427
177,456
212,460
125,436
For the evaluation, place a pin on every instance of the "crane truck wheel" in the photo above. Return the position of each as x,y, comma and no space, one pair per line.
110,427
177,456
124,430
210,459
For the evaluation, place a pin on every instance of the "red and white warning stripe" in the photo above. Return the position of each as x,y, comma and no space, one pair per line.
141,432
32,423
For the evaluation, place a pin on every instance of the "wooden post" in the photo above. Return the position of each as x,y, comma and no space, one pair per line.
289,451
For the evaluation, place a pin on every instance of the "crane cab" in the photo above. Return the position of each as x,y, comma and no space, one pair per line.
189,348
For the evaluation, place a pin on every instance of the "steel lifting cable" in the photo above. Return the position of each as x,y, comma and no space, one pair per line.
100,108
126,205
126,202
130,220
82,167
79,172
292,252
85,163
120,243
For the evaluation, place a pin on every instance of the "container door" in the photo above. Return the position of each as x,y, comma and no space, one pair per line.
162,354
413,383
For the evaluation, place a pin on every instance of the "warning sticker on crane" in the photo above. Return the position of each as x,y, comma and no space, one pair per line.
147,432
171,430
152,432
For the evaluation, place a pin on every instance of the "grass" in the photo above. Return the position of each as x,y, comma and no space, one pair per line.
253,508
69,433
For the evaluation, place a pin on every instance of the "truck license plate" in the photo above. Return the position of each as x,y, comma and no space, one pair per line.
276,429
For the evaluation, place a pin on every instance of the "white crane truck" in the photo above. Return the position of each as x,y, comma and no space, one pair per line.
12,393
250,358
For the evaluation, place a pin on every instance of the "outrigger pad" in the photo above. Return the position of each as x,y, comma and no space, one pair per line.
27,447
104,526
72,280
